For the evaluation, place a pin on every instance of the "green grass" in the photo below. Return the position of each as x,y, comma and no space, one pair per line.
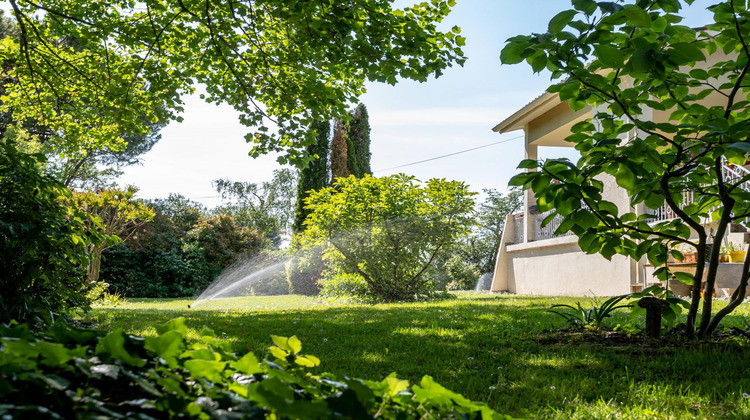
500,349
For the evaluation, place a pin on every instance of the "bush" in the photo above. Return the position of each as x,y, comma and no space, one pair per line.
162,261
389,231
155,262
43,240
79,373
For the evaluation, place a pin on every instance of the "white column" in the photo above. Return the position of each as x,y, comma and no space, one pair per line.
529,231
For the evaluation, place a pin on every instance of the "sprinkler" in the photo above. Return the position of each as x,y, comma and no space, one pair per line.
188,306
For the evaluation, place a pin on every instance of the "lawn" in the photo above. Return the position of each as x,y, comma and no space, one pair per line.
505,350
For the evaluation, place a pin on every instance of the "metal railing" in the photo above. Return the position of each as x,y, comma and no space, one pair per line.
730,173
548,231
518,228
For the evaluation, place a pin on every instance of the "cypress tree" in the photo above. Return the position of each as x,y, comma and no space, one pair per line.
315,176
339,152
358,135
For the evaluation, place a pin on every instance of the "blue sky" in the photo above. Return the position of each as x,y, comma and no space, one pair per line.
410,121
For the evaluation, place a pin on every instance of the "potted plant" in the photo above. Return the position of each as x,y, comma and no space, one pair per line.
689,254
735,253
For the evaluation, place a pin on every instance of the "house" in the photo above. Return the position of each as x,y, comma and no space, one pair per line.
532,260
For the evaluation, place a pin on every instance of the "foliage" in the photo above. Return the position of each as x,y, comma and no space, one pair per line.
43,241
387,230
669,314
223,242
169,271
267,208
315,175
184,213
358,136
74,373
339,153
161,259
479,248
95,70
117,215
97,169
593,317
669,112
463,275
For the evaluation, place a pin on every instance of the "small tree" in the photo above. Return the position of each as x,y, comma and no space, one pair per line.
339,153
388,231
117,216
267,207
631,63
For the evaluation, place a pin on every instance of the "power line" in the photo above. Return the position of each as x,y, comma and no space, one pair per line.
450,154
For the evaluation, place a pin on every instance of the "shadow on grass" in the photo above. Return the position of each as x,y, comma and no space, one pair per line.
493,349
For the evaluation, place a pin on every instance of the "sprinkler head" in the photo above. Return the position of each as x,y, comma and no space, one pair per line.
188,306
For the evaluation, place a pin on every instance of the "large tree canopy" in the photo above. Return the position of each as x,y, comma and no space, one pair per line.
92,70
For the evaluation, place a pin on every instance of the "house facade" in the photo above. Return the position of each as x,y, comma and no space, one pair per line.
533,260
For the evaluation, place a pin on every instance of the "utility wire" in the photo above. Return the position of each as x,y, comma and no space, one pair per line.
450,154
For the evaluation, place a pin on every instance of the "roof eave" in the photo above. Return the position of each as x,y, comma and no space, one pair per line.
530,111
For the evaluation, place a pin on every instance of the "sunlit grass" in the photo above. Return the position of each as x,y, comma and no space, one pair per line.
501,349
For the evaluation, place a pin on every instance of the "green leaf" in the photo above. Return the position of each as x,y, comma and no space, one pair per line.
168,345
561,20
625,177
684,53
528,164
609,56
248,364
54,354
211,370
637,16
307,361
294,344
278,353
394,385
686,278
512,53
113,344
743,147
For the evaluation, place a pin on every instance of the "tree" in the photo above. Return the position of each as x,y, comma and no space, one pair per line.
358,142
91,168
267,208
387,231
339,152
183,212
279,64
315,175
670,113
491,215
117,216
224,242
97,168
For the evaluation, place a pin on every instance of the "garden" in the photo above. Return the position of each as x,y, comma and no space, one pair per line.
328,292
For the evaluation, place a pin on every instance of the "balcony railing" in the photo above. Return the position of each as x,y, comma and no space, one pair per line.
548,231
730,173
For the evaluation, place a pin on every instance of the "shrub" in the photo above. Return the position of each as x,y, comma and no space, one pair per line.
389,231
79,373
42,241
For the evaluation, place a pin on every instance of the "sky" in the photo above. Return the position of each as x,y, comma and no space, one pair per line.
410,122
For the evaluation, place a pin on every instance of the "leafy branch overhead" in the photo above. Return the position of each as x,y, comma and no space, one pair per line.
669,120
92,70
